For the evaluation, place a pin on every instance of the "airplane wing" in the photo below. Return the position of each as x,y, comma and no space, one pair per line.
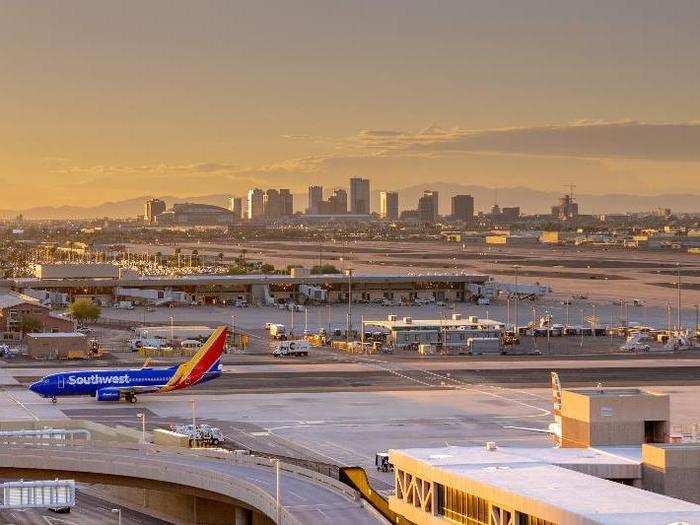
113,393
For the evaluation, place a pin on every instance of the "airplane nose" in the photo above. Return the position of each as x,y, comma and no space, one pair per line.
36,387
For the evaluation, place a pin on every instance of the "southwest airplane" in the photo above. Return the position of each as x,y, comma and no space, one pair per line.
112,385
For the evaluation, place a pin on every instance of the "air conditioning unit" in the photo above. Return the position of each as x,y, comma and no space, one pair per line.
391,317
408,320
456,317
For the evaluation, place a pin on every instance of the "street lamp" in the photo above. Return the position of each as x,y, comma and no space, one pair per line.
118,512
193,403
516,267
349,322
172,338
142,417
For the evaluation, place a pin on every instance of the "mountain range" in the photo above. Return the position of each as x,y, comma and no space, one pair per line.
530,201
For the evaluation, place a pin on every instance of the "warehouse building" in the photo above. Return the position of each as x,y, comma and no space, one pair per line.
59,345
20,313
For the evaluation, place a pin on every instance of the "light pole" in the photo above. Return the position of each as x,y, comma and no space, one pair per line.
194,423
233,329
142,417
118,512
678,314
516,267
172,330
349,321
277,492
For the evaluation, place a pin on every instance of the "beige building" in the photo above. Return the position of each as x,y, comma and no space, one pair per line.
617,465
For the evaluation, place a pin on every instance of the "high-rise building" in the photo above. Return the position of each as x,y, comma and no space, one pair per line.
315,199
566,210
510,213
255,208
337,203
428,206
462,208
286,202
235,204
359,196
152,209
389,205
278,203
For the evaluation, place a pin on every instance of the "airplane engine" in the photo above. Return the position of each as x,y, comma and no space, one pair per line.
107,394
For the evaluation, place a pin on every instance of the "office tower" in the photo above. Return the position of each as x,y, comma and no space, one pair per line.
567,208
428,206
255,207
337,203
286,203
315,199
509,214
235,204
359,196
389,205
272,204
462,208
153,208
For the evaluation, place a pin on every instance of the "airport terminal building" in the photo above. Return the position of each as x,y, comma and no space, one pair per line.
78,281
617,464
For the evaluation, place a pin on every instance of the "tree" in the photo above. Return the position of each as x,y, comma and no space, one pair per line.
267,268
324,269
84,310
30,325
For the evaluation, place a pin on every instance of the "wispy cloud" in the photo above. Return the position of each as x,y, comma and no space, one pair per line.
588,138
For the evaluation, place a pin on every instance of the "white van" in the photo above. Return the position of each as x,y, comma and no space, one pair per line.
190,344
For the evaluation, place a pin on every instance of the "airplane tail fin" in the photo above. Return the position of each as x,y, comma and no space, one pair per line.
206,358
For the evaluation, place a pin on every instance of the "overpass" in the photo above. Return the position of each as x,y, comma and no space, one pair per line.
215,487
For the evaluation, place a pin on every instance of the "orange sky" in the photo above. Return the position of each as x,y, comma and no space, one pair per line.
103,101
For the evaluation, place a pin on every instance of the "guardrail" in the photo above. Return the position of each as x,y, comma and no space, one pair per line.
46,436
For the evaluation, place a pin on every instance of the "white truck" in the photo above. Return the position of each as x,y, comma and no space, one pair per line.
293,348
278,331
124,305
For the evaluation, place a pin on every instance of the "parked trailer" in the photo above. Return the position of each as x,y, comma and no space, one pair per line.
484,345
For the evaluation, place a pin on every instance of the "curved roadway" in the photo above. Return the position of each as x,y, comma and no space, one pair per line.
306,497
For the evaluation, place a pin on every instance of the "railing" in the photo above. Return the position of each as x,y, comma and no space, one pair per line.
37,494
46,436
356,477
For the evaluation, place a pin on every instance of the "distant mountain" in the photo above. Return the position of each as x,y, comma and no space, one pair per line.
537,201
529,200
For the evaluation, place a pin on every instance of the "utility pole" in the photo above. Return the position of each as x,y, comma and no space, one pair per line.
277,492
349,314
668,311
516,297
678,313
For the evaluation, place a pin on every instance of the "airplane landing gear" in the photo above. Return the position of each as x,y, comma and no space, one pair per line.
54,400
131,398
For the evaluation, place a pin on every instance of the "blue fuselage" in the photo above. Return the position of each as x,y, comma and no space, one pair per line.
89,382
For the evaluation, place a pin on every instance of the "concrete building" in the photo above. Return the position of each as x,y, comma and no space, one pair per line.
389,205
255,208
315,200
566,210
617,464
57,345
235,204
254,289
337,203
510,213
448,334
359,196
152,209
462,208
428,206
521,486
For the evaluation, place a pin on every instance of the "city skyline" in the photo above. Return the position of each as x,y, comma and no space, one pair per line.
103,102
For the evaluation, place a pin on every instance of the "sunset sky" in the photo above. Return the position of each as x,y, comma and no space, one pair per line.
109,100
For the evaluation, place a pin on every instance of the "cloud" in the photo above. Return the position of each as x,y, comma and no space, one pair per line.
587,139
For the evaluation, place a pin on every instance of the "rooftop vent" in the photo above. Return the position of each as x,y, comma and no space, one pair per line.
391,317
491,446
456,317
408,320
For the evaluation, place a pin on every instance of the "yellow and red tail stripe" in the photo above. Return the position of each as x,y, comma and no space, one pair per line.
206,357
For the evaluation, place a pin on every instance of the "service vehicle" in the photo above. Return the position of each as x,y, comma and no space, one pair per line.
381,461
200,435
291,348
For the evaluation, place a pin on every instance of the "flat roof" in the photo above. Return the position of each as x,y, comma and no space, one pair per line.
517,472
614,392
433,323
47,335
